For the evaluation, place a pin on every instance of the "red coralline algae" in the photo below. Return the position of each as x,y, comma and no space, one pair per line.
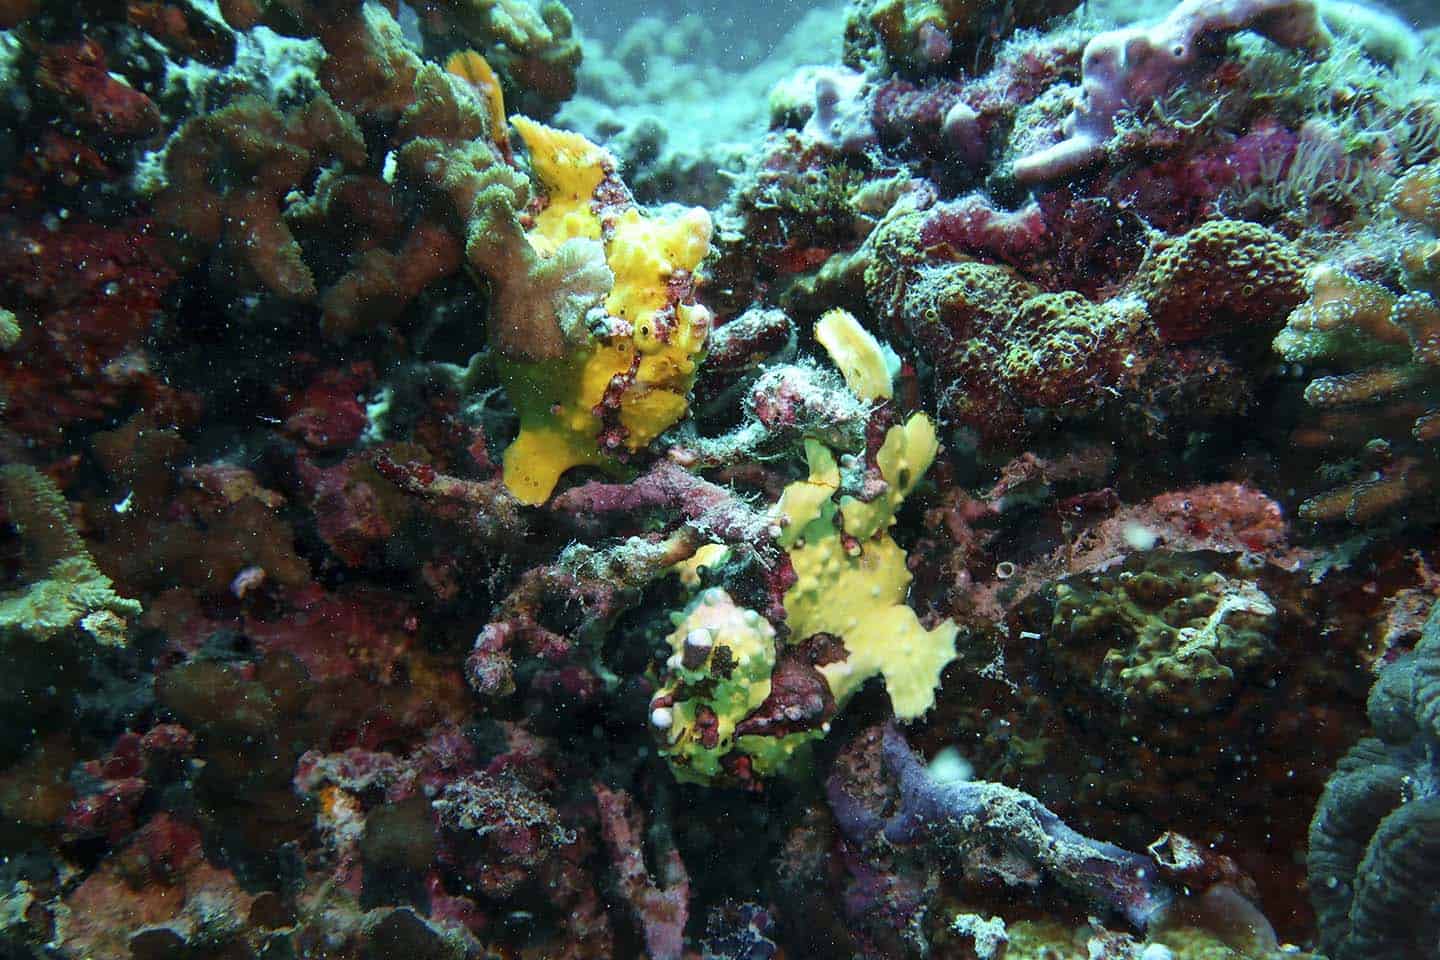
499,831
1130,69
78,75
660,903
356,510
106,914
91,295
328,414
337,636
1225,516
184,29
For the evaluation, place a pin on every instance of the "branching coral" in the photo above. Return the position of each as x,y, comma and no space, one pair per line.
533,46
1385,344
66,589
230,173
661,905
270,188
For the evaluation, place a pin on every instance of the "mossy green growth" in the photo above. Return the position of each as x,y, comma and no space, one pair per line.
825,198
1177,639
9,329
66,589
1053,341
719,673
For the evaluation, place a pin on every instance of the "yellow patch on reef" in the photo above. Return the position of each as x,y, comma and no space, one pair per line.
645,253
710,555
804,501
858,593
856,353
649,366
569,169
903,459
557,429
728,684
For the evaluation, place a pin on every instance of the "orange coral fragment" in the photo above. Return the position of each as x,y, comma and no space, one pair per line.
1368,499
1338,300
1362,386
1416,195
476,71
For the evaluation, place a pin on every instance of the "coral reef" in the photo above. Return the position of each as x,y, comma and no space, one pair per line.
1133,68
1013,355
919,36
65,590
480,482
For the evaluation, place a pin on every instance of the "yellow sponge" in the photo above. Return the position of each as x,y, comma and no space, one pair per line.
633,376
719,673
857,591
857,353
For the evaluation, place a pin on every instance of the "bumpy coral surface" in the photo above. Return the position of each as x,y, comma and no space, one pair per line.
1383,340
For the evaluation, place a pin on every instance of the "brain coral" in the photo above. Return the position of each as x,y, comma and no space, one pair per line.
1374,857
